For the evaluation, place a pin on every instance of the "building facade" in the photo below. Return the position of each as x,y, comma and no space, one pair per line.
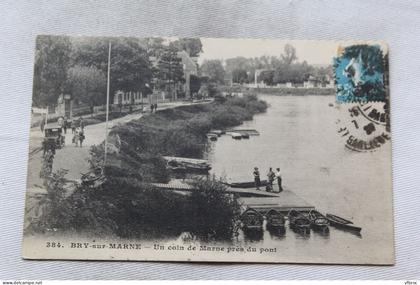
128,98
189,65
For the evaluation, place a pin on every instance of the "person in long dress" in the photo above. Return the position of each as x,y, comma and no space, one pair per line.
278,176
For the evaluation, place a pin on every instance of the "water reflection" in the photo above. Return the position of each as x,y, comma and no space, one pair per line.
299,135
277,233
253,235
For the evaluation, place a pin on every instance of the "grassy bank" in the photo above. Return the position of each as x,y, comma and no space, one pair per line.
177,132
295,91
280,90
127,205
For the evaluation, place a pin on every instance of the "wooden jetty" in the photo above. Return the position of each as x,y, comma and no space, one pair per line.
182,185
283,203
260,201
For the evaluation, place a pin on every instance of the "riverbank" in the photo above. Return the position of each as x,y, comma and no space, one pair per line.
282,91
295,91
175,132
127,204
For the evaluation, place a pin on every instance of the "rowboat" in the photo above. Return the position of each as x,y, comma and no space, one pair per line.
251,132
341,223
298,222
275,219
318,221
245,136
252,220
187,164
249,184
236,136
217,132
93,179
340,219
212,137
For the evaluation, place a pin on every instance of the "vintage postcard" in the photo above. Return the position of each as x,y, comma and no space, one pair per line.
210,150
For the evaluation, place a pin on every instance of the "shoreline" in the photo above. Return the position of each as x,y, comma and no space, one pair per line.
282,91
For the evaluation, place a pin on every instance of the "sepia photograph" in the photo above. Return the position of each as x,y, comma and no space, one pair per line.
209,150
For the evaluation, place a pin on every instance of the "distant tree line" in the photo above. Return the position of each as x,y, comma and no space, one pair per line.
273,69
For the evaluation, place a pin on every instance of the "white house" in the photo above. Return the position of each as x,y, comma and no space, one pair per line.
127,98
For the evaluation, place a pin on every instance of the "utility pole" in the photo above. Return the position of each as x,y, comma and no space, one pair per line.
107,106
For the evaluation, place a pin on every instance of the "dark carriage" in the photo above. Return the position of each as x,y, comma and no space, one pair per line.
252,220
341,223
275,220
53,137
299,222
319,222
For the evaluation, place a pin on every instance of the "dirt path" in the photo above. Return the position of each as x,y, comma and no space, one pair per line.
72,158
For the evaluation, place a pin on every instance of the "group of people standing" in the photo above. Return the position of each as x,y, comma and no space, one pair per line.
271,177
153,107
78,131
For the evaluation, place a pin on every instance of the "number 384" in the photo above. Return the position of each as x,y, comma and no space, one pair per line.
53,244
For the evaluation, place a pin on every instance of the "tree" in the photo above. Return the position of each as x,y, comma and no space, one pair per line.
130,66
239,76
267,76
214,70
87,84
289,55
192,46
52,58
238,63
195,83
170,70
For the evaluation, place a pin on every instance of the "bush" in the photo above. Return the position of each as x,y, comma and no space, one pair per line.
127,204
214,213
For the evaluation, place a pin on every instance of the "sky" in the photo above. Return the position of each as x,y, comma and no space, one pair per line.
314,52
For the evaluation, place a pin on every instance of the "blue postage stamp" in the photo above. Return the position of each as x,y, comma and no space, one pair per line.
359,72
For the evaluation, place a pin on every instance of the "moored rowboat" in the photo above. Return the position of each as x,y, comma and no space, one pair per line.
187,164
275,219
318,221
341,223
340,219
217,132
252,220
212,137
298,222
236,136
249,184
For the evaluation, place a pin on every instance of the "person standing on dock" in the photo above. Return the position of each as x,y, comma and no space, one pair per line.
81,124
270,176
73,126
257,178
278,176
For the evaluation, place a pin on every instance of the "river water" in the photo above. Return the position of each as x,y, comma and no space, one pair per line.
299,135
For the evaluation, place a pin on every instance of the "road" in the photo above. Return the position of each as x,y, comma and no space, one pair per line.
72,158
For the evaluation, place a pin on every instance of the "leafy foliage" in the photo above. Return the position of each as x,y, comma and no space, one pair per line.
214,70
52,59
170,71
213,212
192,46
87,84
